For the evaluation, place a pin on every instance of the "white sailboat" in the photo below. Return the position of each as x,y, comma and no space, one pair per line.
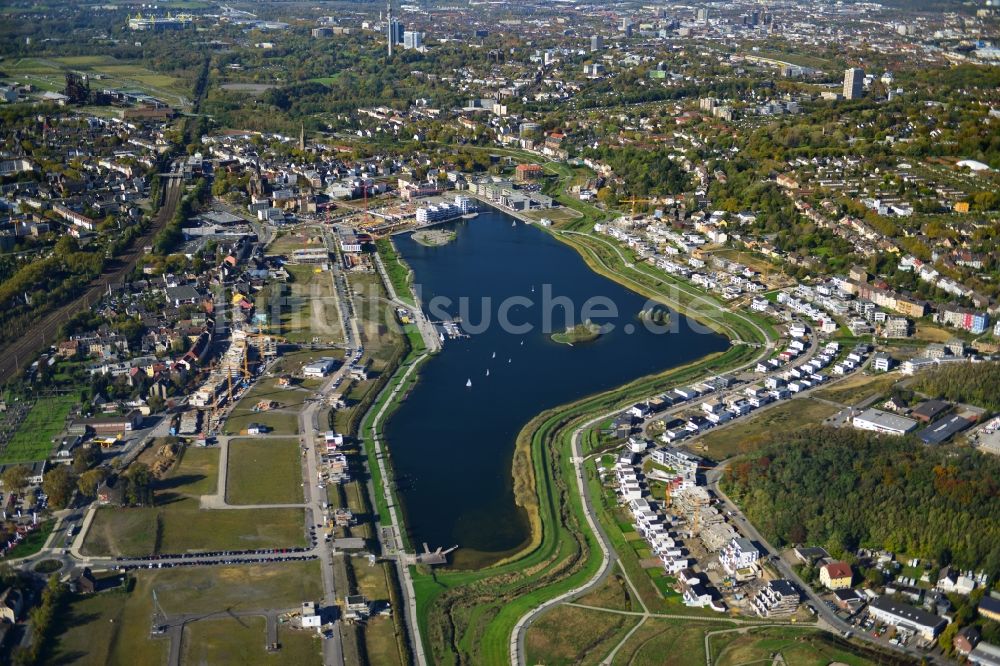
513,224
468,383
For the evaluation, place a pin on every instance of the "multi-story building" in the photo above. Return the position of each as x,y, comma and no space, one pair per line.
836,575
854,80
965,319
738,555
413,40
777,598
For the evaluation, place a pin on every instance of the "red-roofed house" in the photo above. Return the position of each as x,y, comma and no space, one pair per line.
836,575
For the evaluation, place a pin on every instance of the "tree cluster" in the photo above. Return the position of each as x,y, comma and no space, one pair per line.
973,383
845,489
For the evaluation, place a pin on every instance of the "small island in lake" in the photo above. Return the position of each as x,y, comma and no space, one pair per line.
434,237
588,331
655,315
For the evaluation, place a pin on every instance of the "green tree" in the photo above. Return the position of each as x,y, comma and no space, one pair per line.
90,481
15,479
58,484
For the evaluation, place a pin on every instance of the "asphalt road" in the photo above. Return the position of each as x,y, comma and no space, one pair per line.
42,332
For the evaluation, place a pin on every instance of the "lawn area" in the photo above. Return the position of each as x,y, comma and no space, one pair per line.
557,215
33,439
613,593
399,273
759,264
280,422
293,362
283,419
296,239
243,640
682,640
312,313
381,334
264,471
112,72
572,635
197,473
33,543
931,333
859,387
798,646
749,434
113,628
381,637
177,524
243,587
182,526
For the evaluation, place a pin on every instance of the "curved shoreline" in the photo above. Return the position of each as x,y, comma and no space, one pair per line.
538,465
524,486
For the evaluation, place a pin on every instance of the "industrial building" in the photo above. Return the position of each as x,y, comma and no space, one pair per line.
878,421
905,616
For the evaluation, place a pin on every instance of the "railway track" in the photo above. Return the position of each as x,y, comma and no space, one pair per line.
42,333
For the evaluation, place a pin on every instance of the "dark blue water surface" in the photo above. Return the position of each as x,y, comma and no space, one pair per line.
452,445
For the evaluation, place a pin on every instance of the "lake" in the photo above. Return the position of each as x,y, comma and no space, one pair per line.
452,444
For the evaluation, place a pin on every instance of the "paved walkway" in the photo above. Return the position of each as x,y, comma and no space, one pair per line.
406,581
432,342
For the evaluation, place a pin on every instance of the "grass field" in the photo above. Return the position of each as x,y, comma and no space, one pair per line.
749,434
279,422
796,646
113,628
283,419
557,215
264,471
931,333
571,635
34,541
176,524
860,387
399,273
380,633
242,640
311,314
105,71
658,641
33,439
613,593
296,239
183,527
196,474
110,628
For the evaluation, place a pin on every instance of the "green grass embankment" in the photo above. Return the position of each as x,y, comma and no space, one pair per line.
470,614
398,272
474,612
